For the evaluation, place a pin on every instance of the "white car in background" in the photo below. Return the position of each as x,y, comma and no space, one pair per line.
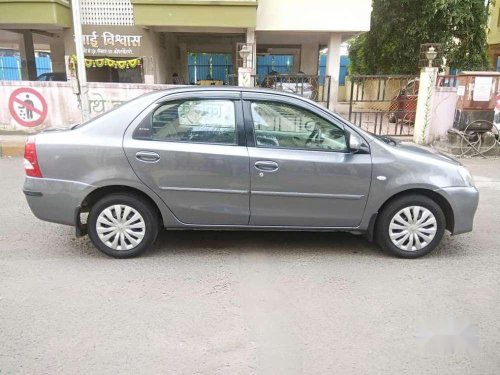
298,84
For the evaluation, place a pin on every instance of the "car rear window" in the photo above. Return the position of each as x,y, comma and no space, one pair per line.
197,121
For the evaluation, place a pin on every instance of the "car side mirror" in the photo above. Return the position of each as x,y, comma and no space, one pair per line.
355,143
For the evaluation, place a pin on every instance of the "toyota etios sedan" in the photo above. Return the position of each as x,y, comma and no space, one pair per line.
235,158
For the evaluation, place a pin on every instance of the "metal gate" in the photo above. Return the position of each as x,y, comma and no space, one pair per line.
384,104
209,66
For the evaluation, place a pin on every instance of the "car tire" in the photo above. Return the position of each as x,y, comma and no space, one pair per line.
421,218
123,225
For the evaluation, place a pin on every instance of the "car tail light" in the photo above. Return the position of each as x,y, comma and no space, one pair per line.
30,160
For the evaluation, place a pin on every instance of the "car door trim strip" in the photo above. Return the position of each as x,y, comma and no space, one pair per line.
203,190
308,195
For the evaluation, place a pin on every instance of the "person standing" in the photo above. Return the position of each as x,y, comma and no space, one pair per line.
29,105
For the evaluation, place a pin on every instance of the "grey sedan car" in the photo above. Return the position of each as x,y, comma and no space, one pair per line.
235,158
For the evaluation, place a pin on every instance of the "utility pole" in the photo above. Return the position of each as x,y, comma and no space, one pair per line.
80,62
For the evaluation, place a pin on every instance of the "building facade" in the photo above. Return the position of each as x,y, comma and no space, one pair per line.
494,35
186,41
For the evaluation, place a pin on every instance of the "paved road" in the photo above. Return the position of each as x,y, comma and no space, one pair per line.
247,303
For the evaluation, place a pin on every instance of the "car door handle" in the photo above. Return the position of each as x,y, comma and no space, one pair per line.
266,166
147,156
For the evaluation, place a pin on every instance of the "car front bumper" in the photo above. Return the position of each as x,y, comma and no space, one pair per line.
54,200
463,201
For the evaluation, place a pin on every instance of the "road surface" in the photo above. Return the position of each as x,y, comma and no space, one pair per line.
247,303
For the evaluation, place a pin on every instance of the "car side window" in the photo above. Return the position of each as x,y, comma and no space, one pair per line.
198,121
287,126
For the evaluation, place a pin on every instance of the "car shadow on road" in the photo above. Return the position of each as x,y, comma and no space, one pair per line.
275,242
202,242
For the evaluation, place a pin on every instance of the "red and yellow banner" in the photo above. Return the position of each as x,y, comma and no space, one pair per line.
112,63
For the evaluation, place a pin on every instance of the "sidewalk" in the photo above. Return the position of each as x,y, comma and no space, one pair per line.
12,145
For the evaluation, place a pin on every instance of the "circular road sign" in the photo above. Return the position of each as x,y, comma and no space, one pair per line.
28,107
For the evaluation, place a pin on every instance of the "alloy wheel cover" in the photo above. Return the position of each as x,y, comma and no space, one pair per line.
120,227
412,228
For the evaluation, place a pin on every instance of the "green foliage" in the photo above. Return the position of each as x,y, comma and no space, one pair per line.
398,27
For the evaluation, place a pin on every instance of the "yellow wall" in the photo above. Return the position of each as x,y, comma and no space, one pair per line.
35,12
314,15
494,24
195,13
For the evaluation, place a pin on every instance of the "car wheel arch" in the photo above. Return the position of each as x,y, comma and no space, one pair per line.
435,196
96,194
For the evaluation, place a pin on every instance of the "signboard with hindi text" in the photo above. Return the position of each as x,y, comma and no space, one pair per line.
113,41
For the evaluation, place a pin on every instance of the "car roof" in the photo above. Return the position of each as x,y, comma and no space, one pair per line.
255,90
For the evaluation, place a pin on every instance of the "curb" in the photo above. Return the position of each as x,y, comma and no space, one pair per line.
11,149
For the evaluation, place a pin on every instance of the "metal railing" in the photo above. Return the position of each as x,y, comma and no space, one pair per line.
384,104
314,87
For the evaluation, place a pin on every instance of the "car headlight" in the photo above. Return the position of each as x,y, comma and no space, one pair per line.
466,176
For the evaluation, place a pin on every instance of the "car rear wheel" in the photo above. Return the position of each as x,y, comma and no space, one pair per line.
410,226
122,225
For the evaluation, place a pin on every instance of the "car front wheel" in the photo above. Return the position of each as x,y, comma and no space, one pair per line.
410,226
122,225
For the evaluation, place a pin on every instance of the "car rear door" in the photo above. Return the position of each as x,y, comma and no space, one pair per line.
190,150
299,183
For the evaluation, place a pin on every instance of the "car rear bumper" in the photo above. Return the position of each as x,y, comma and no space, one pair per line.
463,201
53,200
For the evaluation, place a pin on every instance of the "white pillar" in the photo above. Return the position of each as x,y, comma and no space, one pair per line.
252,40
426,89
309,58
80,69
246,72
333,67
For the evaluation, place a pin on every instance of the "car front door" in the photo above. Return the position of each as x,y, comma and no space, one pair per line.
301,171
190,150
